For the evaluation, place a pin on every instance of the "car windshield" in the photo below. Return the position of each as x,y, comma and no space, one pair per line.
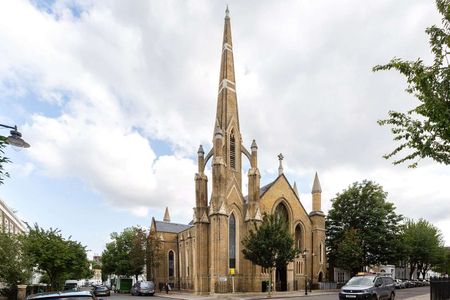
145,284
361,280
101,288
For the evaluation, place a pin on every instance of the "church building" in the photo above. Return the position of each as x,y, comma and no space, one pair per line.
205,256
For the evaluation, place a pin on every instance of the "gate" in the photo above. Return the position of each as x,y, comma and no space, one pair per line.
440,288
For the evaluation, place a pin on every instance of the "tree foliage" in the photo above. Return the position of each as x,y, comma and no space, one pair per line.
362,228
443,266
3,159
14,266
153,254
58,258
270,244
424,246
350,252
125,254
425,130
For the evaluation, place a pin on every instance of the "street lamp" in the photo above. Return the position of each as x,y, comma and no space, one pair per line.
15,137
306,272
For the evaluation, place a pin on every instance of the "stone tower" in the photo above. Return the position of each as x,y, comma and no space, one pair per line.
318,233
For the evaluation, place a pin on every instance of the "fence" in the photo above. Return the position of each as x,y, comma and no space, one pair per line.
440,288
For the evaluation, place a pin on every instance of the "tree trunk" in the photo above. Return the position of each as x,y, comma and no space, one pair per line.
270,282
411,271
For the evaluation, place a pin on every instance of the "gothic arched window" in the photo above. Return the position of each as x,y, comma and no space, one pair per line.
298,237
232,151
232,242
282,212
171,264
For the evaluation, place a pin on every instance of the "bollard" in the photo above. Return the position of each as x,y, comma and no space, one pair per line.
21,291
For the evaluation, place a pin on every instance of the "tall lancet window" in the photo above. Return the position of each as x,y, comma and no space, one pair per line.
282,212
232,241
171,264
232,151
298,237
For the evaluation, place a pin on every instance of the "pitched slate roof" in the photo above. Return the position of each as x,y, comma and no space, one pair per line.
170,227
262,190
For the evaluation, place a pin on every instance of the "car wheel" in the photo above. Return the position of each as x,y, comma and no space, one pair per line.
152,294
374,297
392,296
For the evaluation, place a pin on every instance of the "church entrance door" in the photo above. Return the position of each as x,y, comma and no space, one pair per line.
281,278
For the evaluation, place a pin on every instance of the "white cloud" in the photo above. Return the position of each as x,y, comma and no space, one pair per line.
121,74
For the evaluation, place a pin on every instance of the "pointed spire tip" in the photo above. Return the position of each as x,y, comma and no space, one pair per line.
316,185
227,12
166,215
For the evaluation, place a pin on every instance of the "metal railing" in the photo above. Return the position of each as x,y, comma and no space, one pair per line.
439,288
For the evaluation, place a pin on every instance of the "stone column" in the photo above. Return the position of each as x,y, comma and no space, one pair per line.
21,291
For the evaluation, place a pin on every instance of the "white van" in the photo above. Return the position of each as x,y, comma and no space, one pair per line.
71,285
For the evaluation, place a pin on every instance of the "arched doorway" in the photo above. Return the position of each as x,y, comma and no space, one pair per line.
320,277
281,271
281,278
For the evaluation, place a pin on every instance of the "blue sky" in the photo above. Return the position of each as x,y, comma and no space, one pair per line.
115,98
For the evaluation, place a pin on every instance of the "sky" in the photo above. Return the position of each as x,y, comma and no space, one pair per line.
115,98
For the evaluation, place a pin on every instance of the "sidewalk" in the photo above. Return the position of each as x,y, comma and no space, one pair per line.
255,296
246,296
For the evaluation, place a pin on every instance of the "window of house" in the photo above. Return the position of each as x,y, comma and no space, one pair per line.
232,242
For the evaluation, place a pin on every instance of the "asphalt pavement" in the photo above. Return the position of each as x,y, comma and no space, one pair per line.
419,293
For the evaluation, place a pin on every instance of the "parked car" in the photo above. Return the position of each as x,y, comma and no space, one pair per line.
101,290
400,284
368,286
409,283
64,295
143,288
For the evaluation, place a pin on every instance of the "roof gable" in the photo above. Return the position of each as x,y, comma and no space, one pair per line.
170,227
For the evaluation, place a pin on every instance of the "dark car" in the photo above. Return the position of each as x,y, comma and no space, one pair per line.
368,286
64,295
101,290
143,288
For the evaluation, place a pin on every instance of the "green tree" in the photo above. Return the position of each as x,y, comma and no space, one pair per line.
14,267
3,159
350,253
270,244
443,266
125,254
425,129
424,246
138,251
362,228
153,254
59,259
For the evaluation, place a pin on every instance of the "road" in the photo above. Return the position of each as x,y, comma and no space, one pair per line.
400,294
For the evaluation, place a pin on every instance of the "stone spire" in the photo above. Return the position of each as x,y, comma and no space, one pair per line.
227,101
166,215
316,195
280,168
295,189
316,185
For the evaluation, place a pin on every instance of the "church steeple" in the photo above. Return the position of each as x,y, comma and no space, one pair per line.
166,215
227,117
227,101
